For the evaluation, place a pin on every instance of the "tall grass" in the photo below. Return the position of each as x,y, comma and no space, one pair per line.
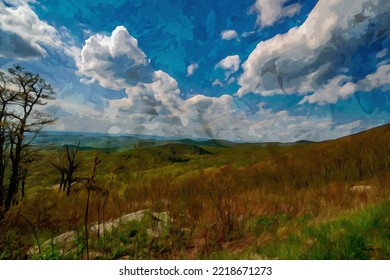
363,235
287,200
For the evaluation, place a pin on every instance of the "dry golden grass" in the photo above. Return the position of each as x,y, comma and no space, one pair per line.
215,205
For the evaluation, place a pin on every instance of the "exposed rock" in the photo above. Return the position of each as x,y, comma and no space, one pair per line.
110,225
360,188
65,242
162,217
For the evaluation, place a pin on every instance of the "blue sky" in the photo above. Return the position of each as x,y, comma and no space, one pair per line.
251,70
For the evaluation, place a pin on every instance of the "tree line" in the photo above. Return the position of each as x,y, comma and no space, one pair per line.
21,94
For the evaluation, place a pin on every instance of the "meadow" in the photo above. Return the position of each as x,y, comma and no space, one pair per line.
208,200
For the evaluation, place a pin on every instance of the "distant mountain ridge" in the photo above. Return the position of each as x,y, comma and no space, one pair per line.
117,142
127,142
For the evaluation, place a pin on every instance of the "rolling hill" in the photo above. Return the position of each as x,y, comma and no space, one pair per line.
224,200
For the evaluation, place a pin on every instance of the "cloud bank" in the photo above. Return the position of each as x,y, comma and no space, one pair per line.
153,105
314,57
22,34
122,91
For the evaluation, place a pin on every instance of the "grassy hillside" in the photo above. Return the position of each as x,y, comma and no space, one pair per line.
224,200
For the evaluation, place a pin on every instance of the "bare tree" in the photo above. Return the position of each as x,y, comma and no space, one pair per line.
59,164
67,164
7,97
73,165
23,120
90,185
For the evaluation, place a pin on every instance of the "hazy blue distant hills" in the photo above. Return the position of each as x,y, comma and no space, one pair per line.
208,143
116,142
110,142
92,140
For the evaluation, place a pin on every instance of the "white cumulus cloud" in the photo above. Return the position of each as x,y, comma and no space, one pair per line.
339,87
22,34
231,62
270,11
229,34
311,58
115,61
380,79
191,69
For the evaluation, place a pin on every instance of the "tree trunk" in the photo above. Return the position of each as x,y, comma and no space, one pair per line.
14,180
86,223
13,185
2,171
69,183
23,185
2,168
62,183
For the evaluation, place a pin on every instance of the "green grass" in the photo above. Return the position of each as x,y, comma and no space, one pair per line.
359,236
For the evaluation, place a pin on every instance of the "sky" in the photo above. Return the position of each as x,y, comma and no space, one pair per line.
247,71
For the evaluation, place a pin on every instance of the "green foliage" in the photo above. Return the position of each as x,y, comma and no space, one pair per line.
268,223
364,235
